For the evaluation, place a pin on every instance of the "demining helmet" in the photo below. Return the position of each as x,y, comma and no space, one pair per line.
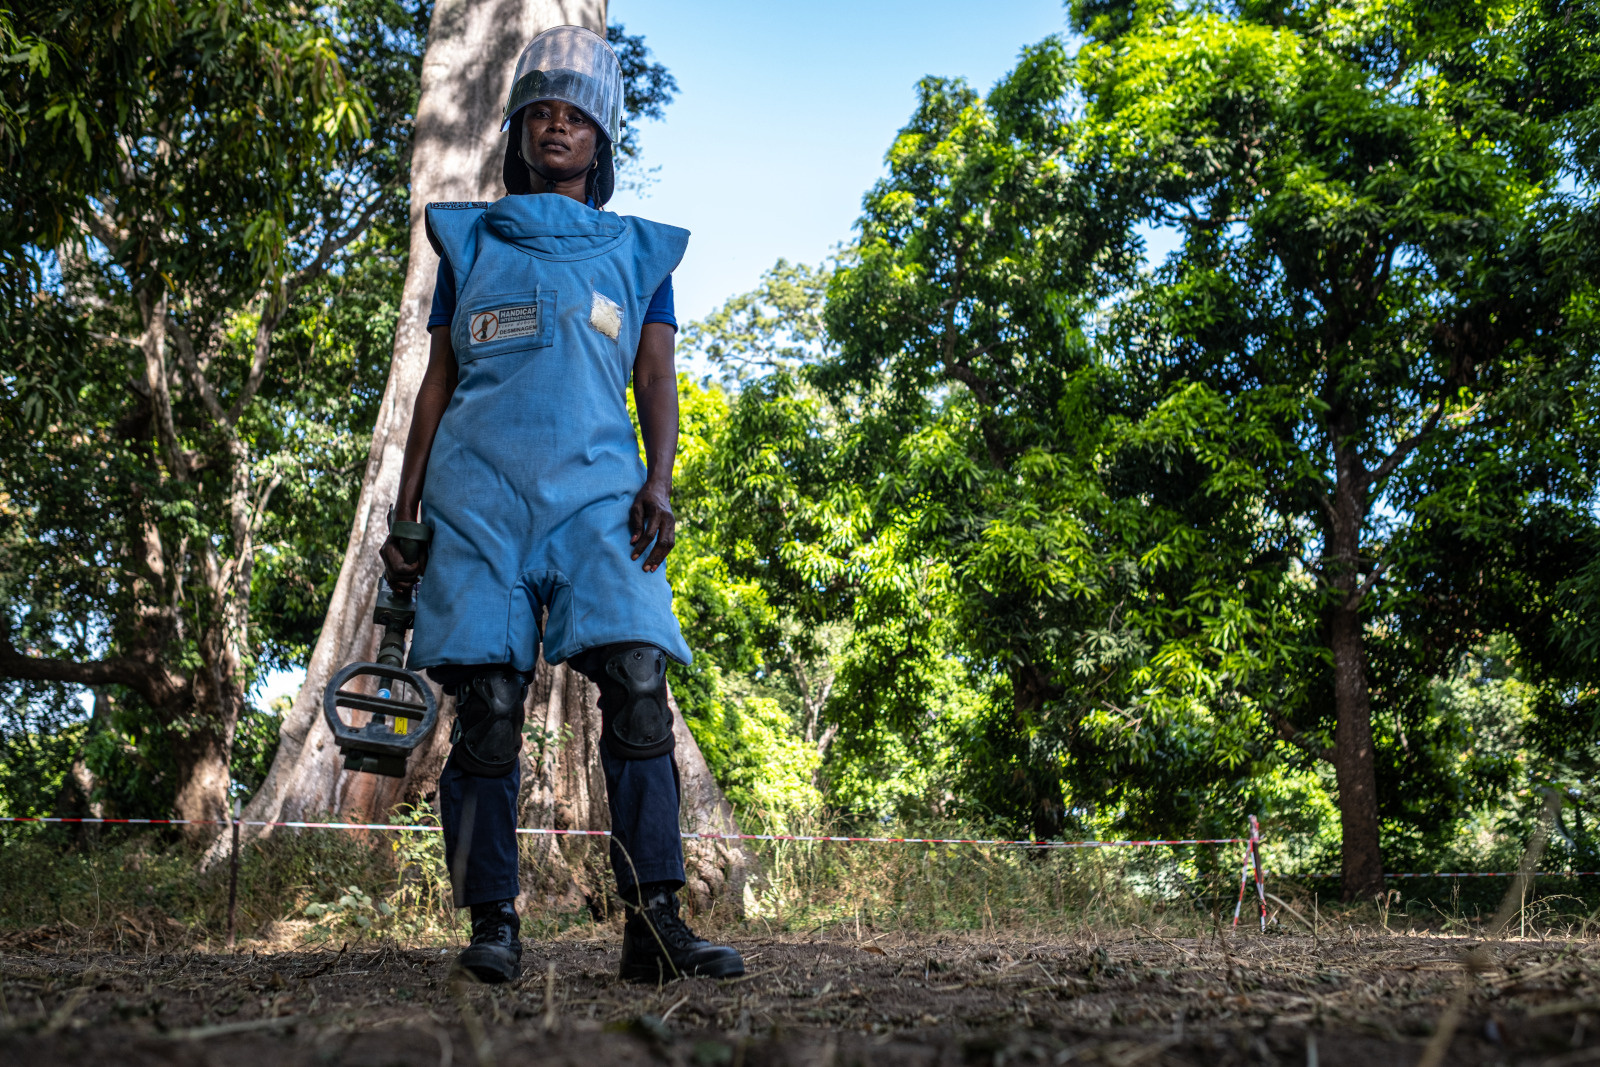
577,66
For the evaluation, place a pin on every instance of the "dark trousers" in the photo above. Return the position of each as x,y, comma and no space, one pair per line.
480,817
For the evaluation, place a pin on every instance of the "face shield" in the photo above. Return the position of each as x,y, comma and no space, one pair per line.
574,65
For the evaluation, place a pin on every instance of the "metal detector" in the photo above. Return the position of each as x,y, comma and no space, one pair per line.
403,709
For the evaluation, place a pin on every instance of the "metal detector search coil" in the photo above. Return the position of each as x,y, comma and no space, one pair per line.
399,726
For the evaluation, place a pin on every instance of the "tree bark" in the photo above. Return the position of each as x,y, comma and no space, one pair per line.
456,155
1361,859
1038,779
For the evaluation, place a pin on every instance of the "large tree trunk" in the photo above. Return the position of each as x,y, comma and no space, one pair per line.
1361,860
1362,863
1040,782
472,48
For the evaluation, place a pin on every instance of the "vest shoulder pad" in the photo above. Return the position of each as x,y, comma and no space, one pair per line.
662,244
441,227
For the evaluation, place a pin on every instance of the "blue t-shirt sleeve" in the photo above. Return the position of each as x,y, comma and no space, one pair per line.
444,296
661,309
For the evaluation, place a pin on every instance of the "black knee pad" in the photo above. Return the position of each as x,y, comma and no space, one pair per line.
639,723
488,732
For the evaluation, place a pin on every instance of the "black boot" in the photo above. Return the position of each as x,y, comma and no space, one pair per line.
657,946
495,954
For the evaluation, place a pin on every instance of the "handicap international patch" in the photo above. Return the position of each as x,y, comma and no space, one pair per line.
501,324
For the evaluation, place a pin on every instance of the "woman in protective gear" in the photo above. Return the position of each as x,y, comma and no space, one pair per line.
523,461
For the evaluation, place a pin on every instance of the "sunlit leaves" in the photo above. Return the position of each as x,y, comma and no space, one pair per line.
229,154
1126,474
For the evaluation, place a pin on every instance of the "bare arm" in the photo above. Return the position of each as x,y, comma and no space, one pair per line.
433,396
655,394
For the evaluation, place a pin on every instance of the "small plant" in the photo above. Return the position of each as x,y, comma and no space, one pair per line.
422,893
544,741
353,908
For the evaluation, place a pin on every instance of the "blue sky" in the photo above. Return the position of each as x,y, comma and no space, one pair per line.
783,116
785,111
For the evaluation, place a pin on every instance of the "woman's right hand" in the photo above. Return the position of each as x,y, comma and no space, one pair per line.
401,575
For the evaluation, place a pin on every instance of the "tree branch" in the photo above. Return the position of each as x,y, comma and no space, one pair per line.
826,740
104,230
336,242
1359,593
1300,739
271,315
277,304
153,684
197,378
1199,221
153,344
258,508
1403,449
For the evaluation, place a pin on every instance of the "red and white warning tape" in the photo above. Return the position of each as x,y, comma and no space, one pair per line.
410,828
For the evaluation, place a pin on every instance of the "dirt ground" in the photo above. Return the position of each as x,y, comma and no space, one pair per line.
821,1001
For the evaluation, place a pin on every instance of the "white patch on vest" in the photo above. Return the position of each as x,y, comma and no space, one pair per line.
605,315
501,324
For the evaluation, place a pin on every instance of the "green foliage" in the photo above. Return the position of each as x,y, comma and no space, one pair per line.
1377,279
647,89
777,326
1052,506
730,623
255,742
1087,529
313,429
352,913
191,186
41,735
762,765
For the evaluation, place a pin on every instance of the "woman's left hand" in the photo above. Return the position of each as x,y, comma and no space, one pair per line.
651,519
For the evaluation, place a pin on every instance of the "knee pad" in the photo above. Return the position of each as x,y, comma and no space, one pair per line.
640,726
488,732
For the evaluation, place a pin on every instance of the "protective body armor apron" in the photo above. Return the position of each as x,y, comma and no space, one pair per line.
535,464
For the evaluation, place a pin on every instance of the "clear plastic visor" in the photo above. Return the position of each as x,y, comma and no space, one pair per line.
571,64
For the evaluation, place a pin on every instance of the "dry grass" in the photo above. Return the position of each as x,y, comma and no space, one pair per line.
393,884
807,885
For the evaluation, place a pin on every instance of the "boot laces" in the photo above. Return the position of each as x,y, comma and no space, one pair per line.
674,932
492,929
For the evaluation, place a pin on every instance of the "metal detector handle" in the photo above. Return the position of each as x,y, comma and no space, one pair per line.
411,538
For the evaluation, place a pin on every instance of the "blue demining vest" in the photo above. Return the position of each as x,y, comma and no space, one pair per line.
535,464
